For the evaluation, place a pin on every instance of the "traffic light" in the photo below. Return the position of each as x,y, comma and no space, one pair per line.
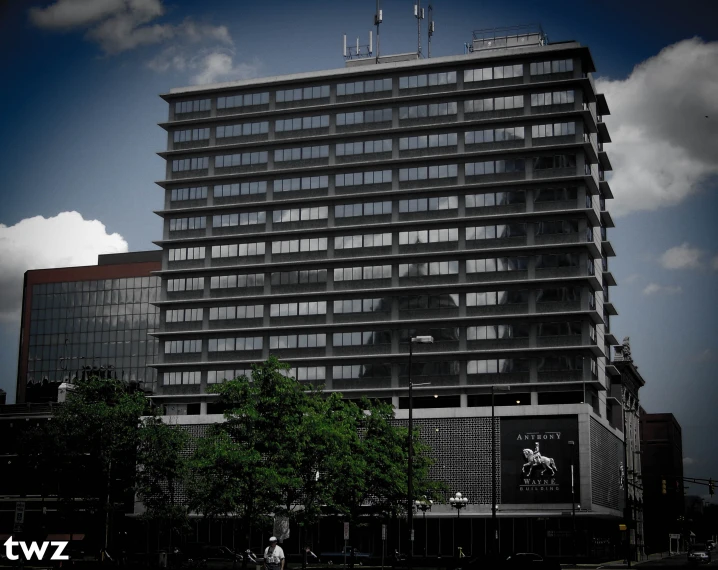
711,487
663,487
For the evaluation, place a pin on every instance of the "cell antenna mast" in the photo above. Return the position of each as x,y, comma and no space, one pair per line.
377,20
431,28
419,15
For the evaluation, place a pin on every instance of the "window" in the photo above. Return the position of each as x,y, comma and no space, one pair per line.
428,172
495,167
243,219
362,240
492,264
427,141
365,209
428,236
556,66
243,159
186,253
191,135
185,377
188,284
237,281
359,87
433,268
553,98
560,363
240,189
556,227
301,153
556,194
431,110
349,371
246,100
488,332
550,261
183,315
427,80
494,135
299,245
299,277
183,346
558,295
566,328
304,373
359,178
553,130
364,338
361,117
359,273
363,147
192,106
182,224
497,366
298,309
243,130
237,250
196,193
516,229
216,376
489,298
297,341
429,302
185,164
428,204
301,94
492,73
490,199
301,123
346,306
235,344
236,312
300,214
306,183
494,104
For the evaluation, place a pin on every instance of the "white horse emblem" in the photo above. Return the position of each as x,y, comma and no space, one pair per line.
538,460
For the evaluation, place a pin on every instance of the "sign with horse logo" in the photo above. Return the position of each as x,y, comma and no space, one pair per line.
536,459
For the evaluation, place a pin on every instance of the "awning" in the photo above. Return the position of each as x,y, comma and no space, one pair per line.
77,536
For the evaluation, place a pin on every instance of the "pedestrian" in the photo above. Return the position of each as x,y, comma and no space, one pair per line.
273,555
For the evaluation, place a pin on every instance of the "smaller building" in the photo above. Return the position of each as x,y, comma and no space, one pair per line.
662,460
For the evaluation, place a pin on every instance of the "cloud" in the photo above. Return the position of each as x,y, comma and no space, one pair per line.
653,288
632,278
682,257
662,122
42,243
207,65
688,461
122,25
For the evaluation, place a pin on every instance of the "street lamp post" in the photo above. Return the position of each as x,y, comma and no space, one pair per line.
458,502
425,505
494,527
410,486
573,505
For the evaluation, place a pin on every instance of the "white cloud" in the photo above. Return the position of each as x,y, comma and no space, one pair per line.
682,257
662,122
653,288
42,243
68,14
688,461
632,278
207,65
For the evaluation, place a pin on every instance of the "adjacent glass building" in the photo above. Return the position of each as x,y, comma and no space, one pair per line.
88,320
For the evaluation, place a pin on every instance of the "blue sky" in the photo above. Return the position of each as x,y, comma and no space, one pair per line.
81,80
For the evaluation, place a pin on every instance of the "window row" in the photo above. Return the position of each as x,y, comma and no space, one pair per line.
183,315
428,236
494,104
218,376
301,153
246,100
238,250
191,135
495,199
235,344
556,227
491,298
553,130
240,159
237,281
360,273
553,98
495,167
195,193
299,245
428,172
359,87
365,209
361,117
185,377
494,135
497,366
428,204
363,147
493,264
301,123
517,229
555,66
298,341
360,178
186,253
492,73
427,80
186,284
555,194
181,224
184,164
298,309
193,106
431,268
183,346
300,214
488,332
240,189
304,183
288,95
299,277
363,240
428,141
431,110
236,312
243,130
243,219
347,306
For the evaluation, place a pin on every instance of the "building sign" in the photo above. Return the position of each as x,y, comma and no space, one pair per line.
536,459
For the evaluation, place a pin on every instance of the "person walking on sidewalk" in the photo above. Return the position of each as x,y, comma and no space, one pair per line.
273,555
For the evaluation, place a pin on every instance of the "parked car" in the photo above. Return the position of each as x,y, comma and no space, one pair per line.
212,557
698,554
711,544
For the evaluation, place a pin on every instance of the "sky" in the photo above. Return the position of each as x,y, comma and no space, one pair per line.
80,105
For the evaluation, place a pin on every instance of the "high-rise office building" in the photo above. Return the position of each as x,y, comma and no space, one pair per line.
329,217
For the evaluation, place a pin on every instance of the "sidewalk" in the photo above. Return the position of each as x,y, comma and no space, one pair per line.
622,563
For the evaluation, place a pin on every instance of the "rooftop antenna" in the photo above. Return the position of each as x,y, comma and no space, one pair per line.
419,15
431,28
377,20
352,51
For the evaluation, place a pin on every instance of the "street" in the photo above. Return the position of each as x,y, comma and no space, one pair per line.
679,561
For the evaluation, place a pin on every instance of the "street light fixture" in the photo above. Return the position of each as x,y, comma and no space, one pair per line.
410,489
425,505
458,502
495,549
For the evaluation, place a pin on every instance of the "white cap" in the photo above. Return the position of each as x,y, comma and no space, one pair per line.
272,539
